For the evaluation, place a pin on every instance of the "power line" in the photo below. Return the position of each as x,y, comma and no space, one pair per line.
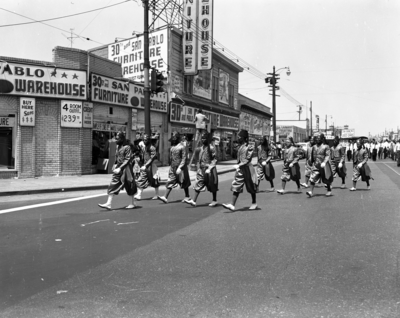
63,17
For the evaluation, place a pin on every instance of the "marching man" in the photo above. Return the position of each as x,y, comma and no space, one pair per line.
309,162
178,174
338,161
264,165
148,169
122,176
207,176
291,168
361,169
245,173
321,157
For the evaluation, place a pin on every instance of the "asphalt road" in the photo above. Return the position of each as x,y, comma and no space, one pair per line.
293,257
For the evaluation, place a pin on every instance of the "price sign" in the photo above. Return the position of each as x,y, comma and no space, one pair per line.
27,111
71,114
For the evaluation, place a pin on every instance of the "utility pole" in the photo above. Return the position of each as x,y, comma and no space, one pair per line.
311,132
326,123
274,101
146,66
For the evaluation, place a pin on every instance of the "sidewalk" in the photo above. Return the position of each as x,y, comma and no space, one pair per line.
10,187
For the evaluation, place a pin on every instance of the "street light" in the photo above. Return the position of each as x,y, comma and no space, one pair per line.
273,80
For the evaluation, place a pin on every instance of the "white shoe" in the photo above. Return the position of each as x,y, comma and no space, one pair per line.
163,199
228,206
369,187
304,185
105,206
185,199
353,189
328,194
130,206
343,186
137,197
309,193
253,206
272,190
155,197
281,191
213,203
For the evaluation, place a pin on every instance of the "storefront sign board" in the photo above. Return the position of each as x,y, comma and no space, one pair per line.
7,121
27,110
130,54
107,90
43,81
158,102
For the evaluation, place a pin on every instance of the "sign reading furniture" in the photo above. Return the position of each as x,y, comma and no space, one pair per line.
42,81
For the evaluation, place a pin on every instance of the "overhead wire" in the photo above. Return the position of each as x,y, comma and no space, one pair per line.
52,19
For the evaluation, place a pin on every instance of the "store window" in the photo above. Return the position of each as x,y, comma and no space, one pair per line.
215,84
7,142
188,85
231,95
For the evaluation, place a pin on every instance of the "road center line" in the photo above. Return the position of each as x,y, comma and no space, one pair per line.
50,203
391,168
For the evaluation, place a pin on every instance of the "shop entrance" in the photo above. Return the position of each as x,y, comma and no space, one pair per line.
6,159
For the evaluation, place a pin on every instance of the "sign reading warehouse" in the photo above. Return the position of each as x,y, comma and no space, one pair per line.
42,81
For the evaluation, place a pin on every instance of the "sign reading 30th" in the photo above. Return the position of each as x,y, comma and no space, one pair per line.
71,114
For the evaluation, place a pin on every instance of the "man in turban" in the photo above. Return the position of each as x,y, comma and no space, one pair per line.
265,170
321,170
178,174
148,169
338,161
361,169
122,176
291,168
245,173
207,176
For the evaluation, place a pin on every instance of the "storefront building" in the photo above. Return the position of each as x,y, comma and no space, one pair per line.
255,118
297,133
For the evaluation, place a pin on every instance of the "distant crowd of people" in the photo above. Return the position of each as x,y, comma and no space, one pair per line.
382,149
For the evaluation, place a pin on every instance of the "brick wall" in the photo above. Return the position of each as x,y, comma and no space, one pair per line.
78,59
47,137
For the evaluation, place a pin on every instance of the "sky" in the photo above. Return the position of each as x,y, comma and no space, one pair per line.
344,55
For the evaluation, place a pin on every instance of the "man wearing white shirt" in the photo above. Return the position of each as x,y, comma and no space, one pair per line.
385,149
380,150
367,146
397,151
349,150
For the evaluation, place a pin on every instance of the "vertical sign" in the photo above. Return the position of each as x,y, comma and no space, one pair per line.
27,111
223,87
190,36
134,119
87,117
205,36
71,114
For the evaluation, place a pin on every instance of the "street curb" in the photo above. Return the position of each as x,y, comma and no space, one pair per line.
86,188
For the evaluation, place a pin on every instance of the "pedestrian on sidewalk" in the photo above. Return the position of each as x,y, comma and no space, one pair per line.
338,161
178,174
265,168
148,169
245,173
207,176
309,161
291,168
321,168
122,176
375,148
361,169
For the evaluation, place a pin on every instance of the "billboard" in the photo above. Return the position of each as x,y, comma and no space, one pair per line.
42,81
348,133
202,84
223,88
197,41
130,54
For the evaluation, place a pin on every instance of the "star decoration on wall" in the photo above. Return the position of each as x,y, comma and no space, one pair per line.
54,73
74,76
64,75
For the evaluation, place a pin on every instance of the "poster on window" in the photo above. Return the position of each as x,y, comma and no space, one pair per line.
202,84
71,114
87,115
134,119
223,87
